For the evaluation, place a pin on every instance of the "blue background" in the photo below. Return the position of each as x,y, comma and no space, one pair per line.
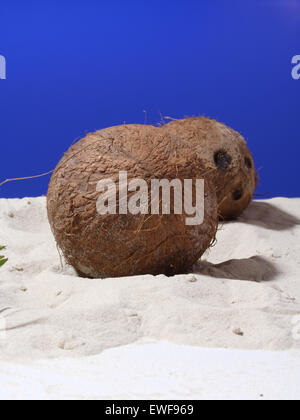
75,67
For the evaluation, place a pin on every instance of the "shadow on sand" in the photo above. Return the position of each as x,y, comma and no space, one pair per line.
268,216
255,269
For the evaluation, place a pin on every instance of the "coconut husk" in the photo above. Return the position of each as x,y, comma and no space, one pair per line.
118,245
226,158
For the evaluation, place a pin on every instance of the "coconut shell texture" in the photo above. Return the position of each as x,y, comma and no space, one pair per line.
99,246
226,158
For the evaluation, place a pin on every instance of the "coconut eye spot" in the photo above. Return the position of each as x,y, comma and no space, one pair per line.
237,195
222,160
248,163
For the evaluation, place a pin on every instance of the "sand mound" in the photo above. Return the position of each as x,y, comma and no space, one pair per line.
245,295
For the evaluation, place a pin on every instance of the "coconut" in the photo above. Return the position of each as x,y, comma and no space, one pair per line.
113,245
226,158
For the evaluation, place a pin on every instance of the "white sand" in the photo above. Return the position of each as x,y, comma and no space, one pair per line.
63,333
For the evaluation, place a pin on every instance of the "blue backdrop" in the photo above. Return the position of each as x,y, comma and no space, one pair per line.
78,66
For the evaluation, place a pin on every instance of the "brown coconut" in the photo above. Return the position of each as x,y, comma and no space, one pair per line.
226,158
125,245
